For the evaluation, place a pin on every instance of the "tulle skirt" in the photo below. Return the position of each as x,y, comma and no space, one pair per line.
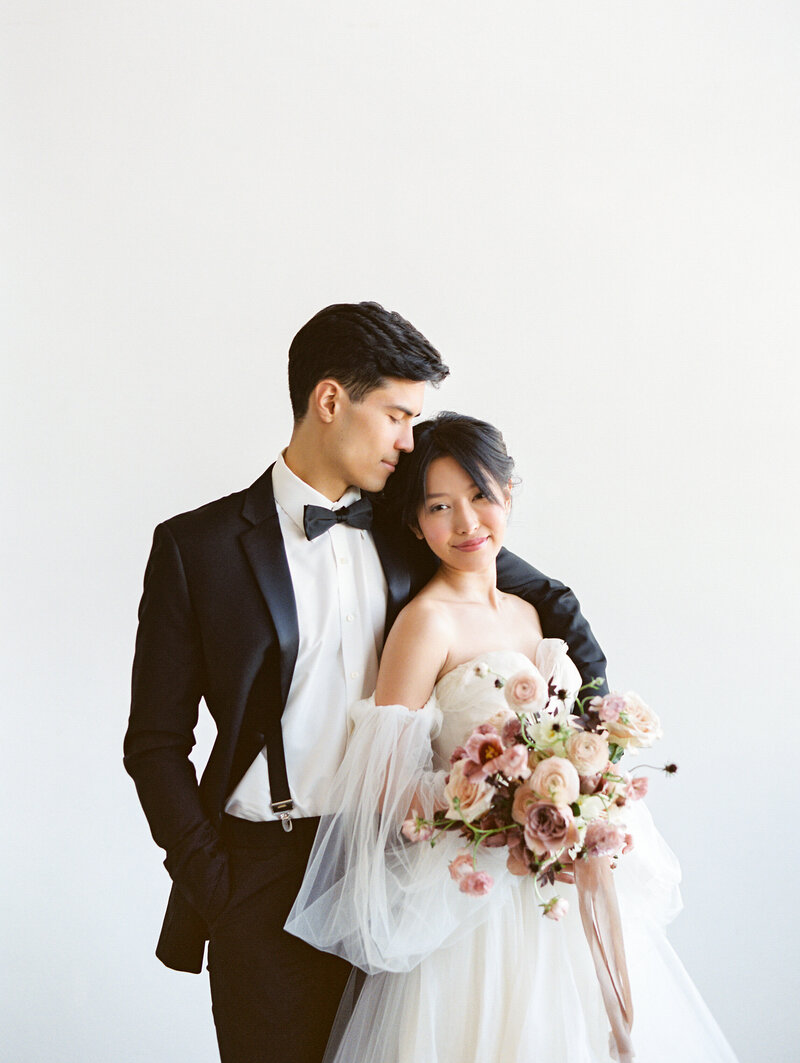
520,988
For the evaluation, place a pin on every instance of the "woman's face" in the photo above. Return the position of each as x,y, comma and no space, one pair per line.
463,527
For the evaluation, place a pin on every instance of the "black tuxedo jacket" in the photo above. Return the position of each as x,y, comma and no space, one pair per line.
218,622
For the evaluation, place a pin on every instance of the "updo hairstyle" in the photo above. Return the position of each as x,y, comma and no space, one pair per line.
477,446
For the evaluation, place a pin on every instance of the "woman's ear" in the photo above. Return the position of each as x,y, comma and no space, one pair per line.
414,529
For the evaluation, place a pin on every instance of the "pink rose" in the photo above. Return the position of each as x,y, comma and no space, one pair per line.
588,752
417,830
556,908
555,779
476,883
462,864
526,691
511,730
549,828
610,706
637,727
637,788
603,839
513,763
466,798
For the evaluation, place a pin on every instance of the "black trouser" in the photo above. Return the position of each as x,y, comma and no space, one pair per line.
274,997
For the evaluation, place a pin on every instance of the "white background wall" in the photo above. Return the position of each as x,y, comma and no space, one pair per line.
591,208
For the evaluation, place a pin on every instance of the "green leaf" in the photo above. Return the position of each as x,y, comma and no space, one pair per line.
615,752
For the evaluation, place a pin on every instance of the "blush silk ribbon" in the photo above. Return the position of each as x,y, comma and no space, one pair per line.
597,900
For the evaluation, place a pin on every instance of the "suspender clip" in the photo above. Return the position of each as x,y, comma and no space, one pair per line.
282,809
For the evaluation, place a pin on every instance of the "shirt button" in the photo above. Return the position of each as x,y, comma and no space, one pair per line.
354,675
349,618
342,560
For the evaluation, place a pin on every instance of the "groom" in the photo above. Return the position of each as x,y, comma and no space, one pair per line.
271,605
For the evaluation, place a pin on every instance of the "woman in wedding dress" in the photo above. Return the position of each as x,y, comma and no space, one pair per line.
452,977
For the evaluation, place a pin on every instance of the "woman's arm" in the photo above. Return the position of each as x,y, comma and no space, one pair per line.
414,655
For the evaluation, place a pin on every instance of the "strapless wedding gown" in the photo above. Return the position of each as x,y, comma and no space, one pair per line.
460,979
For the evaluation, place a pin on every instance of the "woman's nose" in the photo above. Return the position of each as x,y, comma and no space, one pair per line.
467,519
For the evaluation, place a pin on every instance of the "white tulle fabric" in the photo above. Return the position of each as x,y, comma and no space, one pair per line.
455,978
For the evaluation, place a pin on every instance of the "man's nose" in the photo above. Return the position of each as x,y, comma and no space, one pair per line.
406,439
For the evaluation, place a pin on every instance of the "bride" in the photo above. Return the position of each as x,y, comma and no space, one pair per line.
453,977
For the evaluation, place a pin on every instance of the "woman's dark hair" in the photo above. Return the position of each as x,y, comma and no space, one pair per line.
360,345
477,446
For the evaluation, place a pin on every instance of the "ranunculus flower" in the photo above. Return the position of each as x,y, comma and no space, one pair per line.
523,799
556,780
588,752
637,788
526,691
637,727
476,883
603,839
500,721
466,798
549,828
556,908
417,830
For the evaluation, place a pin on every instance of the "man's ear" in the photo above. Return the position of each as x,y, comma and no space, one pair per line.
325,400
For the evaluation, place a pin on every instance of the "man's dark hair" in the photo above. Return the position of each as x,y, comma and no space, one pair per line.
477,446
359,345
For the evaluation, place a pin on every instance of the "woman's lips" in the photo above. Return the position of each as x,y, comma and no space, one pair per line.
472,544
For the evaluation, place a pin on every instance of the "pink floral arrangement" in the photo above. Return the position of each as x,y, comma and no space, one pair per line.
541,778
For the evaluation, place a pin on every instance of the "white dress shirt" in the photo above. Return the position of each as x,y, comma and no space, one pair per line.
340,593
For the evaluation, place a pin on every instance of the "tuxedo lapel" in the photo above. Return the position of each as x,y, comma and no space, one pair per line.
263,545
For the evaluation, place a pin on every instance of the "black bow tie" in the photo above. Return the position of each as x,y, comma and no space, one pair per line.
317,519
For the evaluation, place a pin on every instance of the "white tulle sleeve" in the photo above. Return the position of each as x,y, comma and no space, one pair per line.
369,895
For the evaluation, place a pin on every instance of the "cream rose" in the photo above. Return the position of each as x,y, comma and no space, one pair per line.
526,691
466,799
556,780
588,752
637,727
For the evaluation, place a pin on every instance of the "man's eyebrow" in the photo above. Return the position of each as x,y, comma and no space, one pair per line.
402,409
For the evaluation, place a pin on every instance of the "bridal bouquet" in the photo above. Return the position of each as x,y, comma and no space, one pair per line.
541,778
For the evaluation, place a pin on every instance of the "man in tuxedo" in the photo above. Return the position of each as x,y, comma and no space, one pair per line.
271,605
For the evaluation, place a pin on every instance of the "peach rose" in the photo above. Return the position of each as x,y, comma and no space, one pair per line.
467,799
588,752
556,780
637,727
526,691
549,828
